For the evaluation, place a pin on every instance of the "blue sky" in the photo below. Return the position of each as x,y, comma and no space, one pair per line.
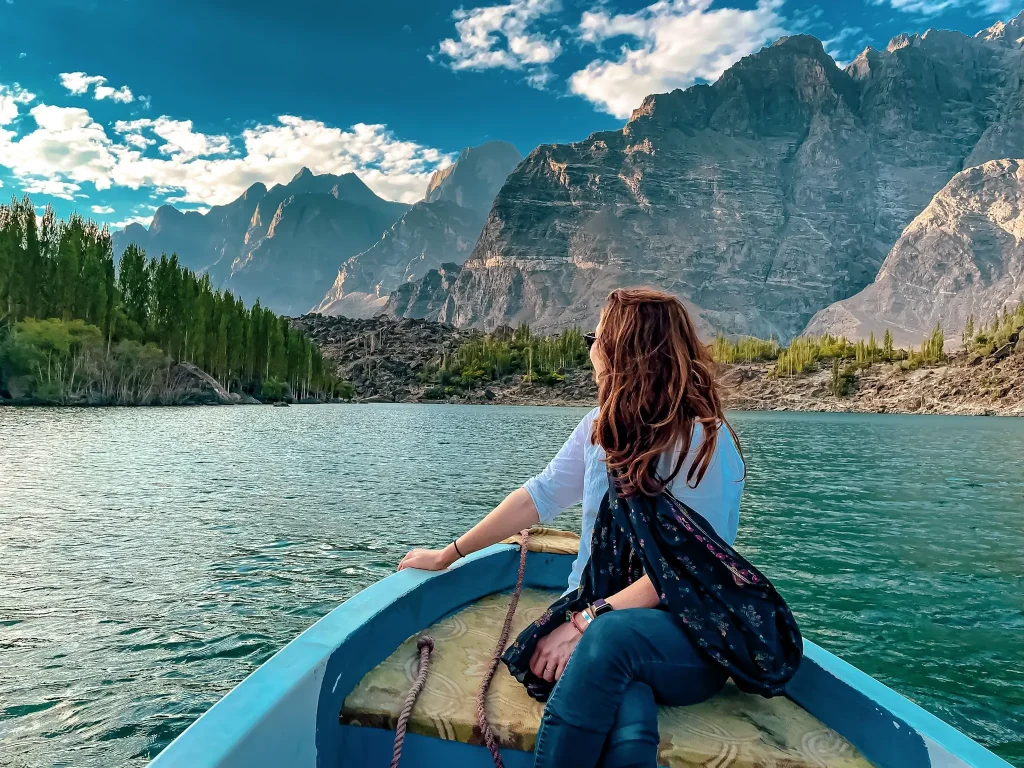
114,107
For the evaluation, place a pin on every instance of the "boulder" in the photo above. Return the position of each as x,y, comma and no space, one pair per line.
1004,351
190,385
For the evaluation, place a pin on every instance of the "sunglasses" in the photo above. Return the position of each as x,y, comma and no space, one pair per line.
589,339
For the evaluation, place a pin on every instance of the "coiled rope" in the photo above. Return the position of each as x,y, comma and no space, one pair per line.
481,698
426,645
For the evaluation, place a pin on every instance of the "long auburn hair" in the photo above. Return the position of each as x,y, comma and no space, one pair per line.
658,382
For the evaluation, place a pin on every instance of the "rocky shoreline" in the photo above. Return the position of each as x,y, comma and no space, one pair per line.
186,384
387,360
383,358
987,388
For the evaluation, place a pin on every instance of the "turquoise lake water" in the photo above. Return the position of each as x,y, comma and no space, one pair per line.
151,558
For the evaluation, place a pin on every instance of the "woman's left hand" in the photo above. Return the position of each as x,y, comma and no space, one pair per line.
553,652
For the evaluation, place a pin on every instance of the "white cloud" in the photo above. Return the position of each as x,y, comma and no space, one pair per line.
52,187
10,98
122,95
836,45
933,7
143,220
66,144
102,210
180,140
540,79
68,147
677,43
8,109
79,83
501,36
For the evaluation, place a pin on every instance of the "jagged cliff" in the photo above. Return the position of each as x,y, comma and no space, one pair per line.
474,179
442,228
280,245
758,199
963,255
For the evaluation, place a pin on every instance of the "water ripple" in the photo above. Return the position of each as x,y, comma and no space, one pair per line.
151,558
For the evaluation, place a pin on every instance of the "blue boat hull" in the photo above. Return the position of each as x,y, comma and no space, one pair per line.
286,713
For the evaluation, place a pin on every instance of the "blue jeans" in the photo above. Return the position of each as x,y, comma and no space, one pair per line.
603,709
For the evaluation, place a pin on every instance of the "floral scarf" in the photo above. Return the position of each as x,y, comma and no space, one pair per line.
727,608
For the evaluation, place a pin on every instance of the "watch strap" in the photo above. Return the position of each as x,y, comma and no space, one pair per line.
601,606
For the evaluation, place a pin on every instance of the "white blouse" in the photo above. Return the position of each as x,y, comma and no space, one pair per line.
578,474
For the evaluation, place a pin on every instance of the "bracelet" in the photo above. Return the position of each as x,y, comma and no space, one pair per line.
572,617
456,545
587,617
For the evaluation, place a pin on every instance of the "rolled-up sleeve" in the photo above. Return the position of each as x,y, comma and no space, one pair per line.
560,485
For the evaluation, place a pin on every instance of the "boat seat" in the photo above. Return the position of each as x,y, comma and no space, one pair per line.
732,730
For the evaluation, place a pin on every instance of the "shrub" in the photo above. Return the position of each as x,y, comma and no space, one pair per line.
549,378
274,390
61,361
746,349
345,390
843,382
494,357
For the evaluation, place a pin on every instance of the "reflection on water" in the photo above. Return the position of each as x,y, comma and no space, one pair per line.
151,558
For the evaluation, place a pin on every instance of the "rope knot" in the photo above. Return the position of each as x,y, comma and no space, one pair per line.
425,645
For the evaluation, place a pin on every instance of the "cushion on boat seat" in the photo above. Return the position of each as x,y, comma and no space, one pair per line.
550,540
732,730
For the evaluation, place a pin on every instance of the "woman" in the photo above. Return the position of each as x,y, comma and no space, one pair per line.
659,425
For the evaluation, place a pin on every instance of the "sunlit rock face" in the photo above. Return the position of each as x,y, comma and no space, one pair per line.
759,199
962,256
442,228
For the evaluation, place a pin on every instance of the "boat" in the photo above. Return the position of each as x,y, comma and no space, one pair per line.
332,697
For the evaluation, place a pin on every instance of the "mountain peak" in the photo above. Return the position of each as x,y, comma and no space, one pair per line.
805,44
1011,31
474,179
303,173
164,214
258,188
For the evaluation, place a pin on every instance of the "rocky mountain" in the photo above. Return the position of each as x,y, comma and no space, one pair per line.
963,255
474,179
429,297
442,228
412,246
280,245
758,199
384,359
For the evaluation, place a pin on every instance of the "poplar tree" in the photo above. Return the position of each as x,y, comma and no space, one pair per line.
65,271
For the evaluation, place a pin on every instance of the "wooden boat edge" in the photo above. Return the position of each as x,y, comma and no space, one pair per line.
286,711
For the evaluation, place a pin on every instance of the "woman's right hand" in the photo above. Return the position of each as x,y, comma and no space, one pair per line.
428,559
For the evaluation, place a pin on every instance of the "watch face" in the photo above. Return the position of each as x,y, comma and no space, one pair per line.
601,606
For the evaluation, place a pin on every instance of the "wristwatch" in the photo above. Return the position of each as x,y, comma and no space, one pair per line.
601,606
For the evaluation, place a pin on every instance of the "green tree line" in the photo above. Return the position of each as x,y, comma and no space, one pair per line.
545,359
65,271
507,352
985,338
